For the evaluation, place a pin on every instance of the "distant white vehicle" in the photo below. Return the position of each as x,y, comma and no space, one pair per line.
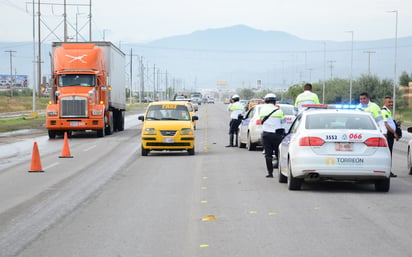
250,130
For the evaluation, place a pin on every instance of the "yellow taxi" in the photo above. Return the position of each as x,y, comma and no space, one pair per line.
168,125
192,112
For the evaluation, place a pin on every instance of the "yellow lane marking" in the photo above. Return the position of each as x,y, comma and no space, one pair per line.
209,218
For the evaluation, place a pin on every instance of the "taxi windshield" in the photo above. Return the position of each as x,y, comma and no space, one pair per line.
84,80
339,121
168,112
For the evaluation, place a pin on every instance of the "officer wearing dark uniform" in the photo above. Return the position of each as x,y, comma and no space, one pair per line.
273,126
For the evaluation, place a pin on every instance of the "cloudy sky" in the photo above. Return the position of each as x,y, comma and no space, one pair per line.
140,21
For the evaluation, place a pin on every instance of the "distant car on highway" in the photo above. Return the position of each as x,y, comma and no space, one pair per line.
334,144
254,101
211,100
196,100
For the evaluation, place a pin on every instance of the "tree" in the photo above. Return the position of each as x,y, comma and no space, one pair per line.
246,93
404,79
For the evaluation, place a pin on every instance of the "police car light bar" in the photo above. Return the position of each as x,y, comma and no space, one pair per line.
346,106
315,106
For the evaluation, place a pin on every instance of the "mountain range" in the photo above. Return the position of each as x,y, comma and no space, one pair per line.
239,56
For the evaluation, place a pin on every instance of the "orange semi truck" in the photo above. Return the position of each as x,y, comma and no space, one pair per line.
88,89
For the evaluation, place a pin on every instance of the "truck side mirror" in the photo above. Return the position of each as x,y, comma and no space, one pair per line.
141,117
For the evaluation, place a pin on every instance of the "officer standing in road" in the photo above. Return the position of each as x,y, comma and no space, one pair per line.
389,124
366,105
273,126
236,115
306,97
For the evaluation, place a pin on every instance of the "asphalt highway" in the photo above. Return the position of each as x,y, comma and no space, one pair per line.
108,200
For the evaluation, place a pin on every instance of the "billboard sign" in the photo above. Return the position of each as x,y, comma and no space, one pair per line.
18,81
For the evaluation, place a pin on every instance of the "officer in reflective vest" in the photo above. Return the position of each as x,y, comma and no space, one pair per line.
273,126
366,105
236,110
307,97
389,125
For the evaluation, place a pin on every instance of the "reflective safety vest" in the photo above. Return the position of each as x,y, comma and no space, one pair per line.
235,109
375,111
307,97
275,121
387,116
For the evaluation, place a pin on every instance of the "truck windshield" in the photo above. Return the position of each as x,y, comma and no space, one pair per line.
77,80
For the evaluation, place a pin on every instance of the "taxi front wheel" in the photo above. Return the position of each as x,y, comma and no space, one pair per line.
145,152
191,151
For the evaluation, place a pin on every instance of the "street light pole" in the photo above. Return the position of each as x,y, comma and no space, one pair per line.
324,72
369,60
396,53
11,71
351,69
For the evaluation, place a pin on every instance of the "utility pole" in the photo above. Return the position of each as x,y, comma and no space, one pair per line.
351,68
369,60
11,71
141,65
65,22
90,20
131,75
154,82
331,68
39,49
33,81
324,73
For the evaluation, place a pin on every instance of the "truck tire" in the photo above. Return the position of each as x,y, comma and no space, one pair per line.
52,134
119,120
109,129
101,132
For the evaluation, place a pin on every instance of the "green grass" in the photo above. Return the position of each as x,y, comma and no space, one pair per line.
22,123
21,103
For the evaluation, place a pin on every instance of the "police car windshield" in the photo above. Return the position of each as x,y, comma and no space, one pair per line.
339,121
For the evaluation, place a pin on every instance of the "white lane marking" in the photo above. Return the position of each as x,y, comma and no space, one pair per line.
51,165
90,148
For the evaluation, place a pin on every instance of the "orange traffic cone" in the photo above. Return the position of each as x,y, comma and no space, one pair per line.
35,160
66,150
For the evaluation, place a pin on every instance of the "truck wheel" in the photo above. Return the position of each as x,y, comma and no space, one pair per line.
101,132
52,134
120,121
109,129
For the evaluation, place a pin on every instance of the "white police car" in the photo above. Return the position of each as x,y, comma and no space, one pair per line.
334,144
